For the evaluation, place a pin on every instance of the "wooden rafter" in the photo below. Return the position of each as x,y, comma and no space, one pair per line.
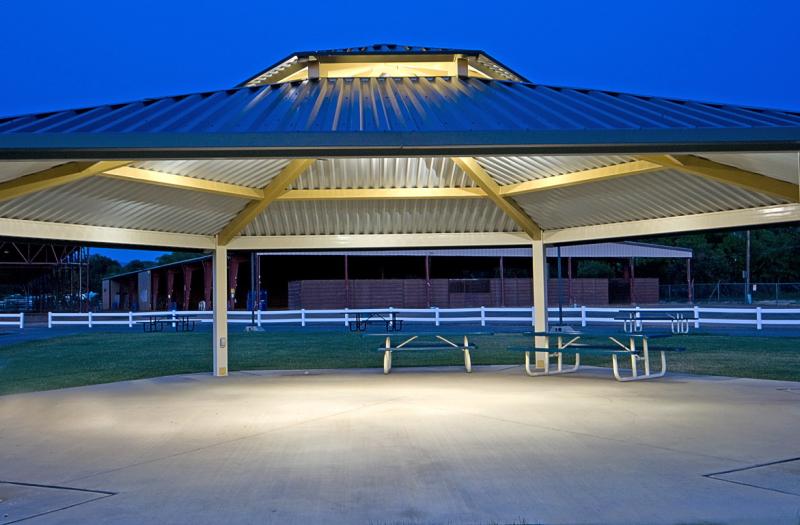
272,191
581,177
169,180
726,174
485,182
53,177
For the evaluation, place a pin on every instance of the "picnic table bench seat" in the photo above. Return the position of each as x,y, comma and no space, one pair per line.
679,321
424,347
615,351
410,344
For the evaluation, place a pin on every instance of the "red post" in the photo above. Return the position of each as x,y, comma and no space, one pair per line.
154,278
428,279
170,286
346,281
208,279
502,282
570,299
233,278
187,285
632,281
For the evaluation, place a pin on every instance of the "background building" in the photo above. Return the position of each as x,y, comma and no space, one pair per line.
455,277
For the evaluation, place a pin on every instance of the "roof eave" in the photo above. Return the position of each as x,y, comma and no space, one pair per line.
130,146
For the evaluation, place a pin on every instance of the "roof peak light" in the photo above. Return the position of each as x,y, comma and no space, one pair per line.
384,60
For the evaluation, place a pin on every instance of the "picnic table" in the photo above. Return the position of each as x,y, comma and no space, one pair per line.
363,319
632,320
181,322
426,342
622,345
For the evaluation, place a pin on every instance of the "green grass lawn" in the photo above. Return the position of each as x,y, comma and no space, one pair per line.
105,357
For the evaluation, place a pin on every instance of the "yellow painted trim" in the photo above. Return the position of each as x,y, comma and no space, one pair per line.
170,180
580,177
102,234
272,191
726,174
382,193
484,181
53,177
378,240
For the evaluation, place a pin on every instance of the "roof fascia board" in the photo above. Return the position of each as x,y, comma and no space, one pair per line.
102,234
396,241
385,143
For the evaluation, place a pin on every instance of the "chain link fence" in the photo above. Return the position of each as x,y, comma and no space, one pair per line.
738,293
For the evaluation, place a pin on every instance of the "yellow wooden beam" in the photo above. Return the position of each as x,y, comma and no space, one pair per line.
580,177
272,191
485,182
724,173
382,194
169,180
53,177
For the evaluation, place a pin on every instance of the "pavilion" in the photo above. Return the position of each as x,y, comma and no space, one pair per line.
390,146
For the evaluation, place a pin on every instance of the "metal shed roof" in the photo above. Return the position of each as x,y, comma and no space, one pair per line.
384,116
397,161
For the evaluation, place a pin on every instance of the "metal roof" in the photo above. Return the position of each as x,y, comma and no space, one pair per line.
384,116
653,195
391,172
394,133
101,201
378,217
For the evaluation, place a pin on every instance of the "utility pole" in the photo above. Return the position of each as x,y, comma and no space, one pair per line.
747,295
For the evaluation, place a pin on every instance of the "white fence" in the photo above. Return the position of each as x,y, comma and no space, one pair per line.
13,320
757,317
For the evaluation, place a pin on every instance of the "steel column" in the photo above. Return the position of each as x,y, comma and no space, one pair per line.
539,276
220,288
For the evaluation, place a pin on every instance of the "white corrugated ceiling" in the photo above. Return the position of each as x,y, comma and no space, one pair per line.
370,217
646,196
106,202
101,201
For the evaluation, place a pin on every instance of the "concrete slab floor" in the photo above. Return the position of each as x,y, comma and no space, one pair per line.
430,445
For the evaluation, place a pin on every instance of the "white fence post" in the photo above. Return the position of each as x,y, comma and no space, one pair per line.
696,317
483,316
130,319
49,319
90,319
436,315
174,319
258,318
583,315
758,318
346,318
302,317
21,320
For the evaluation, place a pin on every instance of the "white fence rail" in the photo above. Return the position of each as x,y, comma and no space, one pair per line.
13,320
757,317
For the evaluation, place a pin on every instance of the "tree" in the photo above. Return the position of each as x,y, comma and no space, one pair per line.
101,267
174,257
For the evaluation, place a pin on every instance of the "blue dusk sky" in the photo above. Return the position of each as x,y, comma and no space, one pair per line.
58,55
